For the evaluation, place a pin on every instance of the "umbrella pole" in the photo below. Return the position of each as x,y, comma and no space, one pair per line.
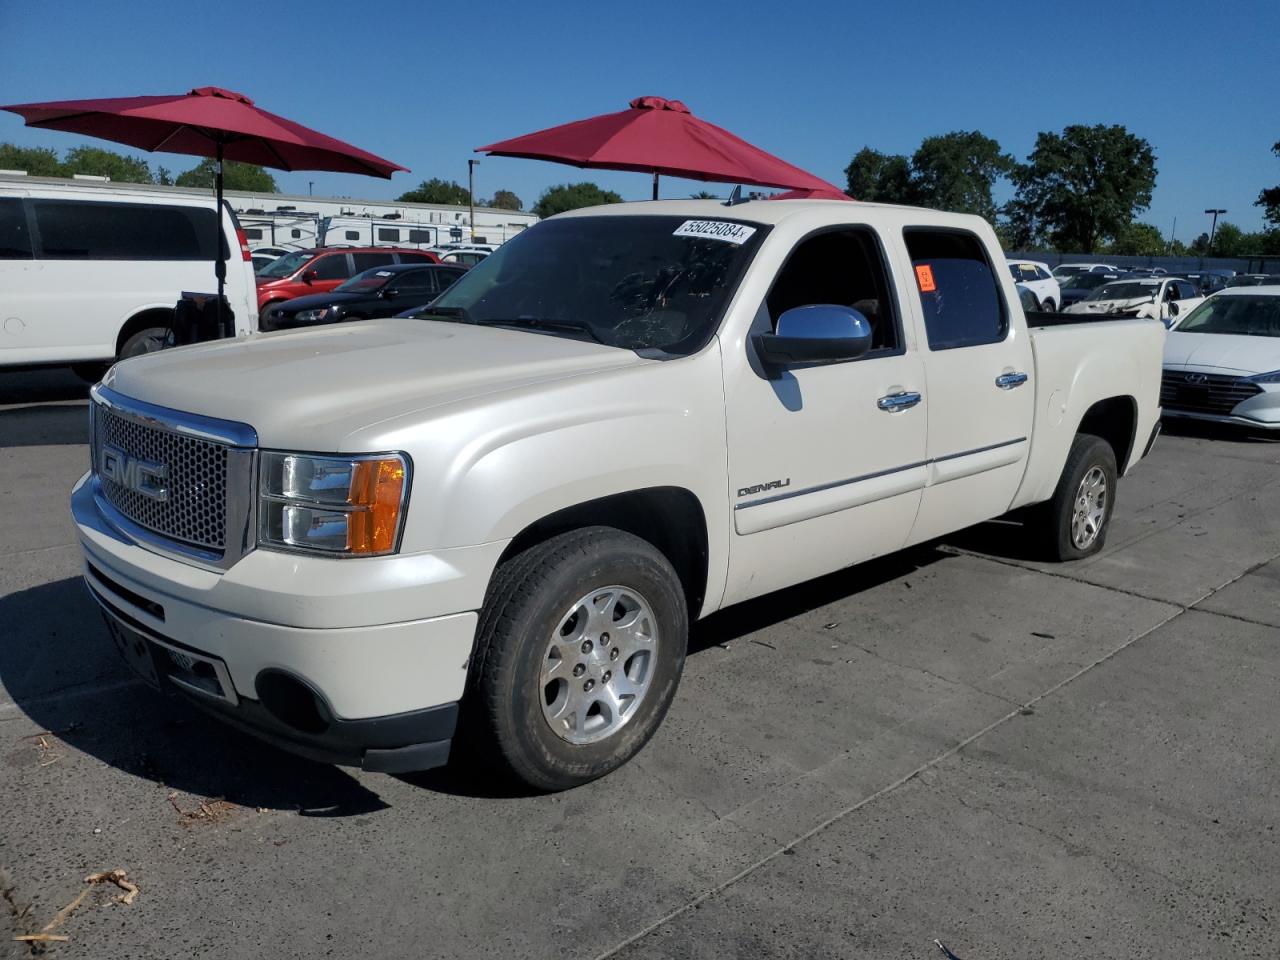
655,184
220,265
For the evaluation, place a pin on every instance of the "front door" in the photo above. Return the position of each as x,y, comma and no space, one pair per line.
826,462
980,369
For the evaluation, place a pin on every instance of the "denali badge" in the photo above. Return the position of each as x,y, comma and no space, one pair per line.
762,487
141,476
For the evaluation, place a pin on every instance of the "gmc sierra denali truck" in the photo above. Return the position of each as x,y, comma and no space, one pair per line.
488,527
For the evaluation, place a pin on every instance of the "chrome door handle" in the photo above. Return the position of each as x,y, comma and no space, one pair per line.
898,401
1007,381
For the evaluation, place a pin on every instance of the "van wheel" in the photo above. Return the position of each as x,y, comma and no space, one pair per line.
578,654
148,340
1074,523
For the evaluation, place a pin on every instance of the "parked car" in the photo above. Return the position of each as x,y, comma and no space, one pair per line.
320,269
627,418
1027,297
1064,270
1222,361
467,257
1210,281
380,292
1036,277
261,260
273,252
1080,286
1254,280
90,272
1153,298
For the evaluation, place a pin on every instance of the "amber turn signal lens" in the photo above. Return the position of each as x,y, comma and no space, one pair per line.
377,491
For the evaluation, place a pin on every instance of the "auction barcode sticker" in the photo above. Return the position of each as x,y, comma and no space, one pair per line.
734,233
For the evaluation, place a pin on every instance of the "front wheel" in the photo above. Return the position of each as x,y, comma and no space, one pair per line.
1049,306
1074,523
578,654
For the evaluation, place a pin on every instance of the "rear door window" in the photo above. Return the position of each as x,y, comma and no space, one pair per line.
15,238
414,282
367,261
90,230
959,295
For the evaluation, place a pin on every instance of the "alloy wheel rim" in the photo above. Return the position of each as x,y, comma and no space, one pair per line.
598,664
1090,509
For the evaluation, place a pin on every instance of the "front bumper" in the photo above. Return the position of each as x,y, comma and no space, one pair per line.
1231,418
375,647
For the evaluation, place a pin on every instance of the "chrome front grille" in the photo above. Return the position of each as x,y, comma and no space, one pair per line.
196,488
1204,392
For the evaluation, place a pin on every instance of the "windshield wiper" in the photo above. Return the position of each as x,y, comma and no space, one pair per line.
448,314
544,323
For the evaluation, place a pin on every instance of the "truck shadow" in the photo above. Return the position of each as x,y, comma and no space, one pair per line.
60,669
39,408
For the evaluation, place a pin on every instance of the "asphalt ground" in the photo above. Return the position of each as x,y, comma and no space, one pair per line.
957,743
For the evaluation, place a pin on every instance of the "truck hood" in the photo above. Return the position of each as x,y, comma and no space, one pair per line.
310,389
1224,352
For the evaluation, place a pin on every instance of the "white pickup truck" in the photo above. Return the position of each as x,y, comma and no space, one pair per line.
491,526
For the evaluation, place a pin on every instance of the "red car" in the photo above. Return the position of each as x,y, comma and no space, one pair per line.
319,270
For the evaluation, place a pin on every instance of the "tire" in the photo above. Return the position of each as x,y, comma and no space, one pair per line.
148,340
1048,306
536,642
1087,487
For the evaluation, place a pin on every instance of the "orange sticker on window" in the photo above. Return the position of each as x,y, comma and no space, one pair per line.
924,277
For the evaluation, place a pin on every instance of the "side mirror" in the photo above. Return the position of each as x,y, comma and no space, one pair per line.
818,333
308,276
1174,309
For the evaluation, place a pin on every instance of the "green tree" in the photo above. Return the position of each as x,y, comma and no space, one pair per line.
1139,240
1229,241
97,162
571,196
504,200
1083,186
957,171
164,176
703,195
37,161
235,176
436,190
879,178
1269,199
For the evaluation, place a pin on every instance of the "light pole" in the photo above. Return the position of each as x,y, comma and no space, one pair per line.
1213,229
471,194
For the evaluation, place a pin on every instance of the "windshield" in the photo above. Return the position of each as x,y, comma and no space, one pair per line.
1252,280
287,264
656,283
1067,270
1089,281
367,282
1125,290
1248,315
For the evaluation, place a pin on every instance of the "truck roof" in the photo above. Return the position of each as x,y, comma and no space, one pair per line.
776,211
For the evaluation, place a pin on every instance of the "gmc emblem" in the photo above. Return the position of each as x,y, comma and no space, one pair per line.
141,476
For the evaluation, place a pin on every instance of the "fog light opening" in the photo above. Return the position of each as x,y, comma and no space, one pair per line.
292,702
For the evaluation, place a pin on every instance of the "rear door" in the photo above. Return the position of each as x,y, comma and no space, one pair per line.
826,461
978,365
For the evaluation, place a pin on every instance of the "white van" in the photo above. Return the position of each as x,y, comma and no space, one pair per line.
90,272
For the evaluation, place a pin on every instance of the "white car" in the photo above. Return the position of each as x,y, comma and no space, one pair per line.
272,252
1222,361
502,517
1064,270
1035,276
1148,298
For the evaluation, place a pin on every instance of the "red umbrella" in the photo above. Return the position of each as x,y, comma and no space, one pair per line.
207,122
658,136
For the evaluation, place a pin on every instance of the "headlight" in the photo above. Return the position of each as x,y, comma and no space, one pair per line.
1272,377
345,506
312,316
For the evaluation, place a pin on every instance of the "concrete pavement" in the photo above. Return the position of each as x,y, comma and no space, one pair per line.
957,743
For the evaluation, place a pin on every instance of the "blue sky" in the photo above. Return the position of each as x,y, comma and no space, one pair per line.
423,84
